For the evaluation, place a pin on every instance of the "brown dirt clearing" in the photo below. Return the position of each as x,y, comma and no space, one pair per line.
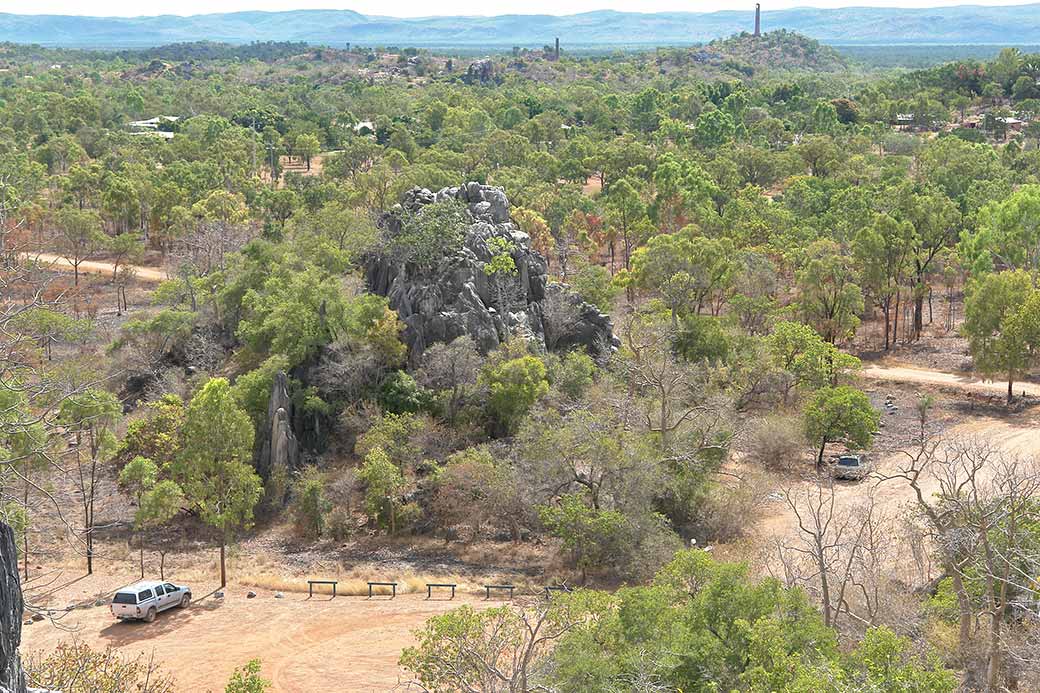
1015,433
345,644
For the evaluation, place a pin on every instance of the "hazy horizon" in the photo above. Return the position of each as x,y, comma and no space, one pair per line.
417,9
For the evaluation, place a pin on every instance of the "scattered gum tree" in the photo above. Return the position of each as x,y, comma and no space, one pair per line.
309,503
1002,323
213,467
805,359
159,505
882,250
839,413
90,416
687,269
828,298
587,532
157,501
136,478
384,484
80,235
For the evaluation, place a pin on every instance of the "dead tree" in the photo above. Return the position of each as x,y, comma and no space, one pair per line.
980,504
935,473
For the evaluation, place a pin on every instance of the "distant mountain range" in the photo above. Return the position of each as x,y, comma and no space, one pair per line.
966,24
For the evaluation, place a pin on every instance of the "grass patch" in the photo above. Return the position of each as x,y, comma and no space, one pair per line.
352,584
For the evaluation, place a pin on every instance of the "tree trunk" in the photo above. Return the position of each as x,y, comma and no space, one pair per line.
1010,395
963,605
887,309
664,422
223,556
895,321
825,590
918,315
994,660
90,528
25,527
819,457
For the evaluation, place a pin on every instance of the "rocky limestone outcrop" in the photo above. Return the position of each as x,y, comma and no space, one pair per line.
12,678
280,451
457,296
480,72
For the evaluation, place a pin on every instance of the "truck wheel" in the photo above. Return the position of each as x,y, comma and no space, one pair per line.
186,601
150,616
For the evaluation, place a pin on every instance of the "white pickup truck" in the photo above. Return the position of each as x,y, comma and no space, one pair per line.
144,600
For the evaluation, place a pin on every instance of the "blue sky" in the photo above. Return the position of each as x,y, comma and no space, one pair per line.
419,8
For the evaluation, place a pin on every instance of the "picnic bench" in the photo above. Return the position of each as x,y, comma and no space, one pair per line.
392,585
431,585
488,588
312,583
549,589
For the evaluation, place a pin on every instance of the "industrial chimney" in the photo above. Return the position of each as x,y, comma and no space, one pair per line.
758,19
557,53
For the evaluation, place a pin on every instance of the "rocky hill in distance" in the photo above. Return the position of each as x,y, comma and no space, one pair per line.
966,24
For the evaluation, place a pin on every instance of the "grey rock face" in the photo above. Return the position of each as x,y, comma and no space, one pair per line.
457,296
480,72
281,449
12,678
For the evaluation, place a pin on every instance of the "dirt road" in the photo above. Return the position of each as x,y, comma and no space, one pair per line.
348,644
961,381
60,264
1017,434
1016,438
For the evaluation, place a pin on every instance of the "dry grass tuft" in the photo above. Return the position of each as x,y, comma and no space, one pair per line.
351,583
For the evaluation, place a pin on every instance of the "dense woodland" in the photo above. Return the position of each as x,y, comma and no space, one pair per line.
740,211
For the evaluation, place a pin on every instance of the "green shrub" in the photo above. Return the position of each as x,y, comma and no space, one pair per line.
310,506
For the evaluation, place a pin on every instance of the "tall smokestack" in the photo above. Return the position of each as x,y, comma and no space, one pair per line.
557,48
758,19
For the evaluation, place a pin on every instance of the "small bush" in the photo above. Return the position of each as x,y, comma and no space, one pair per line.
729,512
79,669
248,680
400,394
341,524
575,374
777,443
429,234
594,284
310,506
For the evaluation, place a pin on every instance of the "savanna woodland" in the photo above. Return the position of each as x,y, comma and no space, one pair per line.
601,323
